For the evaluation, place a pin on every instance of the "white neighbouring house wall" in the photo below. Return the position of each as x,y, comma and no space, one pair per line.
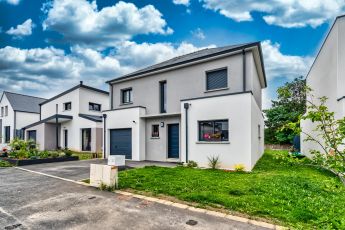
244,117
7,120
327,78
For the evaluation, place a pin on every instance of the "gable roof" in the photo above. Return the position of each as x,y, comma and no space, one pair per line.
24,103
81,85
195,56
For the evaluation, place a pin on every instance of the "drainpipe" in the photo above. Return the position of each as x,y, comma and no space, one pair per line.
57,127
15,125
244,70
186,107
111,96
104,135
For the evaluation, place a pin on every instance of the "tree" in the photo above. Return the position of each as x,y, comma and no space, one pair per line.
289,106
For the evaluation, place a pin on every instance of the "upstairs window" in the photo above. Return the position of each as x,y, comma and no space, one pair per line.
6,110
217,79
155,131
214,130
126,95
163,96
2,111
94,107
67,106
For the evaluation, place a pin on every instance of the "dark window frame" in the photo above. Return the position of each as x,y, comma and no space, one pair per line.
153,133
163,96
30,132
123,91
215,70
92,106
7,134
222,139
65,104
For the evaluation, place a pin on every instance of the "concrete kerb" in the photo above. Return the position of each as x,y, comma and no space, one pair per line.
174,204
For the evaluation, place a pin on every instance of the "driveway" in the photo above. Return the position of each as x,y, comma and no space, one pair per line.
32,201
80,170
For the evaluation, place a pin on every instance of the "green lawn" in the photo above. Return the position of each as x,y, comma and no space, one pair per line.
278,189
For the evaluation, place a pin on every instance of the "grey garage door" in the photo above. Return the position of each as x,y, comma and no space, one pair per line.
121,142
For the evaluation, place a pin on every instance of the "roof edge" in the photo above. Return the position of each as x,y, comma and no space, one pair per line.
248,45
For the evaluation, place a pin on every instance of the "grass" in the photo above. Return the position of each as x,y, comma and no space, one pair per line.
86,155
4,164
283,191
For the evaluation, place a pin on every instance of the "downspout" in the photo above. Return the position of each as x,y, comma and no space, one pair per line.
104,135
244,70
40,112
186,107
111,96
15,124
57,127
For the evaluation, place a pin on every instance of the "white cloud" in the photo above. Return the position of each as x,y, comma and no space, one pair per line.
12,2
181,2
284,13
21,30
199,34
47,71
80,22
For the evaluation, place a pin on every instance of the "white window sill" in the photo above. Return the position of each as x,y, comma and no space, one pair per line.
212,142
215,90
155,138
127,103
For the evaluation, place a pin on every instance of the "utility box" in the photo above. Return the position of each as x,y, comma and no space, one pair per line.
117,160
106,174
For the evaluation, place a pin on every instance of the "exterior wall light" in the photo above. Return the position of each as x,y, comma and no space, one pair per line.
162,124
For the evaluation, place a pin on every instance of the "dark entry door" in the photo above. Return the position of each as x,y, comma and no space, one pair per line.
66,138
173,141
121,142
7,134
86,140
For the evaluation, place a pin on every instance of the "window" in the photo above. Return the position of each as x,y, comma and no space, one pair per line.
32,135
217,130
94,106
6,110
7,134
155,131
67,106
163,96
2,111
259,131
126,95
217,79
86,139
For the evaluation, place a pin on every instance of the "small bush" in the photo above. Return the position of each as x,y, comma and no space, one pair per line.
239,168
192,164
5,164
213,162
68,152
104,187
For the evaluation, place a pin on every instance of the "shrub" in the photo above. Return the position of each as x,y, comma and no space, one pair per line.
5,164
67,152
22,149
213,162
54,154
239,168
192,164
44,154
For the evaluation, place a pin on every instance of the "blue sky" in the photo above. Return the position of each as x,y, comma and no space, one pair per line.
47,46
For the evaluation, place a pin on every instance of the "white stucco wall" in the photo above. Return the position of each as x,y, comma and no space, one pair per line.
123,118
86,96
7,120
238,110
257,133
23,119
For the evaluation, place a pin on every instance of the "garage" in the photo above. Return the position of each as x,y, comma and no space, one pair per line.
121,142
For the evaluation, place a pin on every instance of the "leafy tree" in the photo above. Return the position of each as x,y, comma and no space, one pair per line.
289,106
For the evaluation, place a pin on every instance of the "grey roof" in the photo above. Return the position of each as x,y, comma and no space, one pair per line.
24,103
198,55
91,117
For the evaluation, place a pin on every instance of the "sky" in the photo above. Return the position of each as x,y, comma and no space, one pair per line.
49,46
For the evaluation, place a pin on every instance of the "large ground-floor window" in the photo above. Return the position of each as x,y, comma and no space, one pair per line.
214,130
86,139
32,135
7,134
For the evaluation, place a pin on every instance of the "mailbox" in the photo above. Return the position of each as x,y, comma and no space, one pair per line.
117,160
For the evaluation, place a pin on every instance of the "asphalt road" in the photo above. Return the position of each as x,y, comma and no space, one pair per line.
32,201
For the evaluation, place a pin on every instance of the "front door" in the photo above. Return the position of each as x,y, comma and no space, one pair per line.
173,141
86,139
66,138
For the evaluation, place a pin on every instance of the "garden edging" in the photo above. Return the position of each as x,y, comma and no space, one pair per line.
23,162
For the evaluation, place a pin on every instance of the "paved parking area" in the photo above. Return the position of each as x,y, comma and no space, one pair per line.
32,201
79,170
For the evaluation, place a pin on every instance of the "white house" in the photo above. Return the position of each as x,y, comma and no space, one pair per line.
327,78
72,120
192,107
17,111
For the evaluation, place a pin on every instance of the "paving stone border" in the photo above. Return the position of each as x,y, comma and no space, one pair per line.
174,204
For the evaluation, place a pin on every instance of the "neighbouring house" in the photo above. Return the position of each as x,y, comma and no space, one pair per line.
326,77
17,111
72,119
192,107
